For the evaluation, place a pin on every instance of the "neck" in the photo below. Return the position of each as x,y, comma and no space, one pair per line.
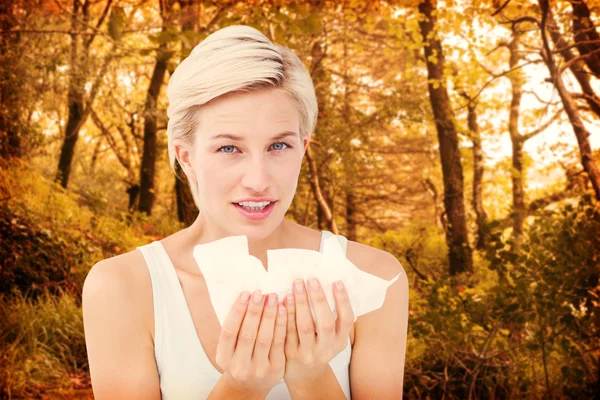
204,230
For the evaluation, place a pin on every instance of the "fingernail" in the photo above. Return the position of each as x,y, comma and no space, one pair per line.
257,298
314,284
298,285
290,299
339,285
244,297
281,311
271,299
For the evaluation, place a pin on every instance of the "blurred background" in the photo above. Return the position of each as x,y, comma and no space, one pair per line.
461,136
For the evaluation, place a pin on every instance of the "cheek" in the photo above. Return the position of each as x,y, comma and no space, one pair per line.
214,173
285,169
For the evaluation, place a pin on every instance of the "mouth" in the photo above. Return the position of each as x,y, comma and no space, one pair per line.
255,212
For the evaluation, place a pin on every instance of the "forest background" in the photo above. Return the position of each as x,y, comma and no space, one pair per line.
461,136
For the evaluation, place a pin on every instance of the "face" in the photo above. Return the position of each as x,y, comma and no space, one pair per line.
247,146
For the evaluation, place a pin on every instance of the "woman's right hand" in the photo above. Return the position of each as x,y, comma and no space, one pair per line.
251,343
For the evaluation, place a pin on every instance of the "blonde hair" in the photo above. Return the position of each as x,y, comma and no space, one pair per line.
237,58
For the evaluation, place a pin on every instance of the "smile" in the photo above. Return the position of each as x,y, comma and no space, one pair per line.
255,211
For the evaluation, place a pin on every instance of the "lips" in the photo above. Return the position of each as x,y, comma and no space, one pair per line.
255,215
258,200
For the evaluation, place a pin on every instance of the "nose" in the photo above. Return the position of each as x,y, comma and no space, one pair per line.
255,176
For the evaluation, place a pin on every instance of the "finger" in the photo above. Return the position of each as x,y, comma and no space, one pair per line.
304,319
249,329
265,331
324,321
230,329
345,314
291,336
277,353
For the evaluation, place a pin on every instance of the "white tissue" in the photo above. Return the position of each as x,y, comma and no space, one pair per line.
229,269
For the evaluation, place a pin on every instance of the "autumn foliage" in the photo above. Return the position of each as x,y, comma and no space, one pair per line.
460,136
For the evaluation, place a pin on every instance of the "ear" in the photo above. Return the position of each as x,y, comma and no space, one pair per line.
183,153
305,143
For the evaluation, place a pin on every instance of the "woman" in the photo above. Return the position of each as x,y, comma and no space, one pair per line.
241,114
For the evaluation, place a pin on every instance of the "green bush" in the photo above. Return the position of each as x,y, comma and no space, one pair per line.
527,330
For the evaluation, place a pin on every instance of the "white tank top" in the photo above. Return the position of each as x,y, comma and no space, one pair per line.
184,369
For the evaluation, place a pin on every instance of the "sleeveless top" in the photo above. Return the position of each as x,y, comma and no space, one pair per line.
184,370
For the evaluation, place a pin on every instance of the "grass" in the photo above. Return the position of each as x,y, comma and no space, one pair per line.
42,343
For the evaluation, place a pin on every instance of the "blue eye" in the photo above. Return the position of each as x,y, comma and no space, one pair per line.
224,147
233,147
282,143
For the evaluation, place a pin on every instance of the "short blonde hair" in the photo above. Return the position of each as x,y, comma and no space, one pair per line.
237,58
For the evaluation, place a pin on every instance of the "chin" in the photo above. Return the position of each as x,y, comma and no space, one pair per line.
260,231
257,232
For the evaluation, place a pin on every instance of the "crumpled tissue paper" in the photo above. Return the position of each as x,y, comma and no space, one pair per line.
229,269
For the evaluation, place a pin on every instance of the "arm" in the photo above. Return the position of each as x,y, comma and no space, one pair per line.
377,364
326,387
225,390
119,346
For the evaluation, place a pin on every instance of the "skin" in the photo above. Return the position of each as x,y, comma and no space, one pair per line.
255,166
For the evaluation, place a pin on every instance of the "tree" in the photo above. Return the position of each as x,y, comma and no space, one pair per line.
586,37
576,66
478,170
10,135
581,132
517,138
79,70
459,250
148,165
186,208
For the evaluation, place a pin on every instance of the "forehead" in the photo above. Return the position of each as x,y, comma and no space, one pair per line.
257,112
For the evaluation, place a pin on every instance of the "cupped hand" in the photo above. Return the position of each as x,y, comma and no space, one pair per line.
311,344
251,343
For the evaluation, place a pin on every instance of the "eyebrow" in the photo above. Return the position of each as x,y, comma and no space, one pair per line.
240,138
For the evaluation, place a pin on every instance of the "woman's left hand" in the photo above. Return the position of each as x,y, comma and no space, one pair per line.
310,345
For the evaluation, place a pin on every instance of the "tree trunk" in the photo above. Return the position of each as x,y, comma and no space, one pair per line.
460,256
438,214
186,208
78,72
148,166
322,204
10,130
518,194
351,233
133,191
577,67
477,178
75,101
581,133
187,212
325,218
586,37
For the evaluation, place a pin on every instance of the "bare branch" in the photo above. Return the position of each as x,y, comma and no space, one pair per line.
574,60
499,10
99,24
542,127
494,77
549,102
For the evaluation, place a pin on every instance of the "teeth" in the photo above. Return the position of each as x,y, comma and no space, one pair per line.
260,204
254,206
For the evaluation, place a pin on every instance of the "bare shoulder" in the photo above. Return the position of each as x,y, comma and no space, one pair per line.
127,277
126,273
379,348
117,305
374,261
